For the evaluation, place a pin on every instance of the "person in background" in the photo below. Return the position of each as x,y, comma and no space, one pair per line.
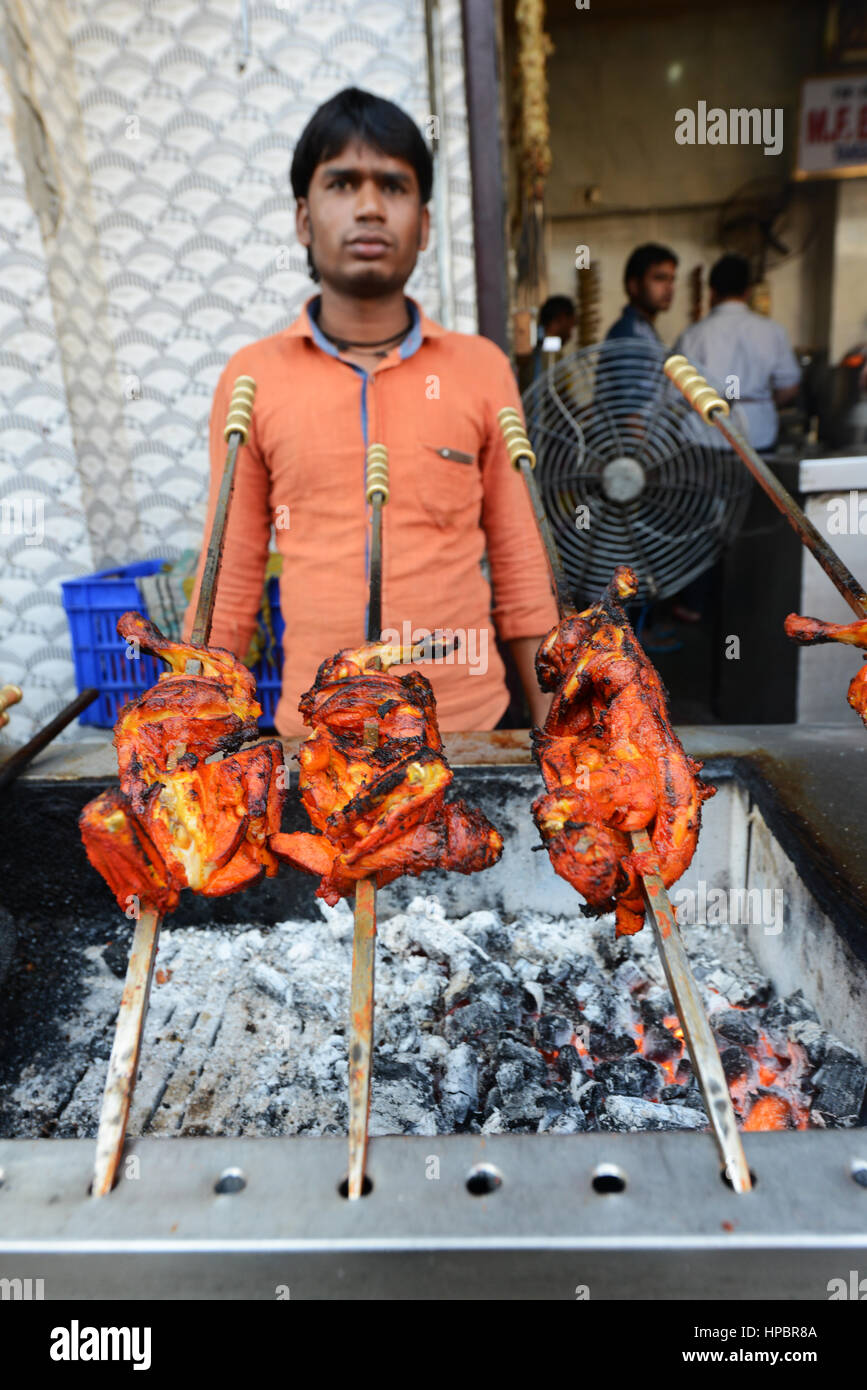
556,320
745,355
649,281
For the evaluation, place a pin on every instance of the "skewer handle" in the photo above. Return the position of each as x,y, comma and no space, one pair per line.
237,428
714,410
523,458
240,409
376,480
700,394
376,491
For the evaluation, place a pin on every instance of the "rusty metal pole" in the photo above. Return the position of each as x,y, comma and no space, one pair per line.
361,1003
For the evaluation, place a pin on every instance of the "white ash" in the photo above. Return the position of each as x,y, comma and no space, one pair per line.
477,1028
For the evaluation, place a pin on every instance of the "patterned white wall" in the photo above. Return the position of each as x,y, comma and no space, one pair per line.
175,246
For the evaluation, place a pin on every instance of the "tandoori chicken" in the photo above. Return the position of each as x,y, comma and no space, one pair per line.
611,761
373,780
810,631
185,817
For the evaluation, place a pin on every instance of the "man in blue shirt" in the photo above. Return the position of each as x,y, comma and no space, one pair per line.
649,281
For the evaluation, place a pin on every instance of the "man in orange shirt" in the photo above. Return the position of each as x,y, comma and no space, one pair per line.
362,364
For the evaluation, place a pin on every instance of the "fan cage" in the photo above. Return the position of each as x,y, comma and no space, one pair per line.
613,401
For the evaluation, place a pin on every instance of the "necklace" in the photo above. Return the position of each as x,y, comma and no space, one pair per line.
343,343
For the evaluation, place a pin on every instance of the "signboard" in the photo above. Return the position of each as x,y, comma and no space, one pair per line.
832,135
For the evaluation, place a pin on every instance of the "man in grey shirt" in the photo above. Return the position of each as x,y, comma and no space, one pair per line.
745,355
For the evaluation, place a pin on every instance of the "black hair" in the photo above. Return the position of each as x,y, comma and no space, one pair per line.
730,277
553,307
354,114
644,258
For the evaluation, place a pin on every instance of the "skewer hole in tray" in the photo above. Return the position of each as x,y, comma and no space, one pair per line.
608,1178
484,1179
366,1187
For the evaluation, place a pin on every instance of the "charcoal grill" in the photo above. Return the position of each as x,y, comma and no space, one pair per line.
466,1215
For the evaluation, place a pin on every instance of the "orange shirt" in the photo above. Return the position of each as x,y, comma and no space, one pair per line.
433,402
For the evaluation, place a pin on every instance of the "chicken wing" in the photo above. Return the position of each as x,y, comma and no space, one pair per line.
810,631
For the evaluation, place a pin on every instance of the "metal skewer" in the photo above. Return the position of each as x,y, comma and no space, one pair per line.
715,411
123,1062
675,962
18,760
697,1032
364,939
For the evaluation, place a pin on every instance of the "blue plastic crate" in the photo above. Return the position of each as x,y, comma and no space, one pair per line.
93,605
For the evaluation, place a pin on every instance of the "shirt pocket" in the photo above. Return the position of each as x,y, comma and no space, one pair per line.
449,481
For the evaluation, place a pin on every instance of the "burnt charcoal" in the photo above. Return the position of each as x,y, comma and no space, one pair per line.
522,1109
630,976
624,1113
655,1006
568,1062
560,1117
457,991
840,1088
591,1098
737,1027
614,950
633,1076
532,997
116,957
743,989
482,1017
553,1031
736,1063
403,1099
460,1086
556,975
608,1044
509,1050
683,1095
819,1045
683,1072
493,1101
660,1045
793,1009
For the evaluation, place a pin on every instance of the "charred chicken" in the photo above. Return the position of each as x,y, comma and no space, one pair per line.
373,780
182,819
610,761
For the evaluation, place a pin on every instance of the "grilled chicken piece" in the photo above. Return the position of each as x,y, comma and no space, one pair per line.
380,810
183,718
810,631
611,761
179,821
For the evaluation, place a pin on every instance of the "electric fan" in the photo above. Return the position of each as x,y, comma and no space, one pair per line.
629,474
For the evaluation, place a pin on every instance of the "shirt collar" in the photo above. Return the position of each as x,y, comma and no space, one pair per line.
730,306
305,326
